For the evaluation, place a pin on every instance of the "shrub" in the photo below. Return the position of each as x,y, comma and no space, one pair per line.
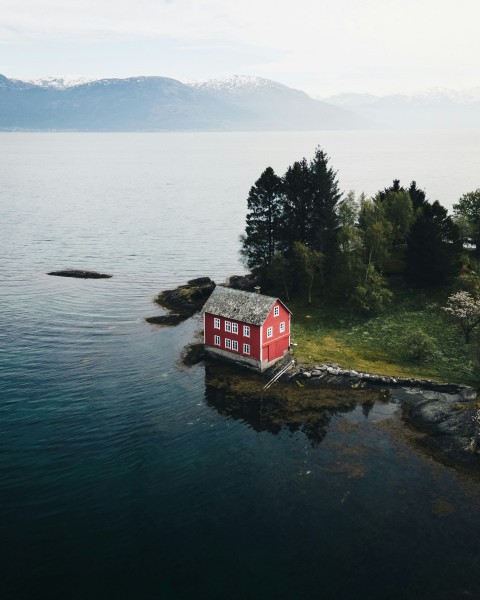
419,346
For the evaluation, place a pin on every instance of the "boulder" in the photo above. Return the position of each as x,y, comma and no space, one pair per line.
242,282
187,299
170,319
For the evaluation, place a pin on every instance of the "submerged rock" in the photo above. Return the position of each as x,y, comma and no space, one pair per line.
193,354
446,419
80,274
170,319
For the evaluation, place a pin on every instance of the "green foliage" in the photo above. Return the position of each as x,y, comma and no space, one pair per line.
327,332
372,294
467,211
300,207
469,282
376,232
434,247
296,223
417,196
325,194
418,345
308,264
398,211
281,275
261,232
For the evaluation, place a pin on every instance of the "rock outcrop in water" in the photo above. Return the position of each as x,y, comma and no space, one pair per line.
80,274
186,300
183,302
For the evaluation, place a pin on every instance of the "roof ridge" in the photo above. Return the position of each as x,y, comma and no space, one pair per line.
240,305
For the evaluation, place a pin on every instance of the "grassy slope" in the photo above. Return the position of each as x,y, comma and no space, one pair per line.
378,344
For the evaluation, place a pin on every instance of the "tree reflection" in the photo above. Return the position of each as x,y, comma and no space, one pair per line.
292,406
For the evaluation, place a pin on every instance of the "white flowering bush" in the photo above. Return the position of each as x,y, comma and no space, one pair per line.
464,310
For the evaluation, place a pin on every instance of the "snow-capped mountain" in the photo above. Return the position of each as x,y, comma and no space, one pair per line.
237,84
160,103
60,83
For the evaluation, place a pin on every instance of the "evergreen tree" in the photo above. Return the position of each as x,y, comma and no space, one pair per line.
395,187
325,195
260,240
296,222
434,247
418,196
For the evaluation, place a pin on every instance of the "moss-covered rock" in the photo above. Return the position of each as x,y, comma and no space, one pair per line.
187,299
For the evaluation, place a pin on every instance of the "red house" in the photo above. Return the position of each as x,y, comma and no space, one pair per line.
246,327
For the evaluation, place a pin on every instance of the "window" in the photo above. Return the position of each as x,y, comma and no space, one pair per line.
282,326
235,345
246,331
246,348
228,326
216,323
228,343
217,340
269,332
234,327
276,311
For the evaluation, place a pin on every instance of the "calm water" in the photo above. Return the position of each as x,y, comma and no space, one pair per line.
121,476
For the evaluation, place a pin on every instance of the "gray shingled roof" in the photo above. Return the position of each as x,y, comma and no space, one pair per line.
238,305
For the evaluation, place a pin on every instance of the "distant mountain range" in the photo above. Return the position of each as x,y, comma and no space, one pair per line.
235,104
162,104
436,109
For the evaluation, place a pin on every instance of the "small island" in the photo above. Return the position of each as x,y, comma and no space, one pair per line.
80,274
384,293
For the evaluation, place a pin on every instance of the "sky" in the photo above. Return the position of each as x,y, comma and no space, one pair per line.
323,47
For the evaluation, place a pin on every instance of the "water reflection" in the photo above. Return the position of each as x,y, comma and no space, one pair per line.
293,407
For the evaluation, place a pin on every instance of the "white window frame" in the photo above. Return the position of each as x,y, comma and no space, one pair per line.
282,327
246,330
228,343
276,311
269,332
217,341
235,345
235,328
216,323
228,326
246,348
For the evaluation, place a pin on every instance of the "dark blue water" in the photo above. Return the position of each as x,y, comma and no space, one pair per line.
122,475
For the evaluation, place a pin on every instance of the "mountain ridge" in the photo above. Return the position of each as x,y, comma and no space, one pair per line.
148,103
435,108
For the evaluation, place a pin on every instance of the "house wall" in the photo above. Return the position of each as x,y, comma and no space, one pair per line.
210,332
233,356
275,346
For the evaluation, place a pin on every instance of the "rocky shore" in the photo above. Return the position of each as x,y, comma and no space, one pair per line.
445,416
335,375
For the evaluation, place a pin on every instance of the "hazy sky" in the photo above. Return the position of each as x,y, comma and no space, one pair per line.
320,46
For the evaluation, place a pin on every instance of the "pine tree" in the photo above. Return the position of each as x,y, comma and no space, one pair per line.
260,240
296,219
325,195
434,247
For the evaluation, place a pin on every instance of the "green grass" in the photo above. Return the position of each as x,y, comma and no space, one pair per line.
380,344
